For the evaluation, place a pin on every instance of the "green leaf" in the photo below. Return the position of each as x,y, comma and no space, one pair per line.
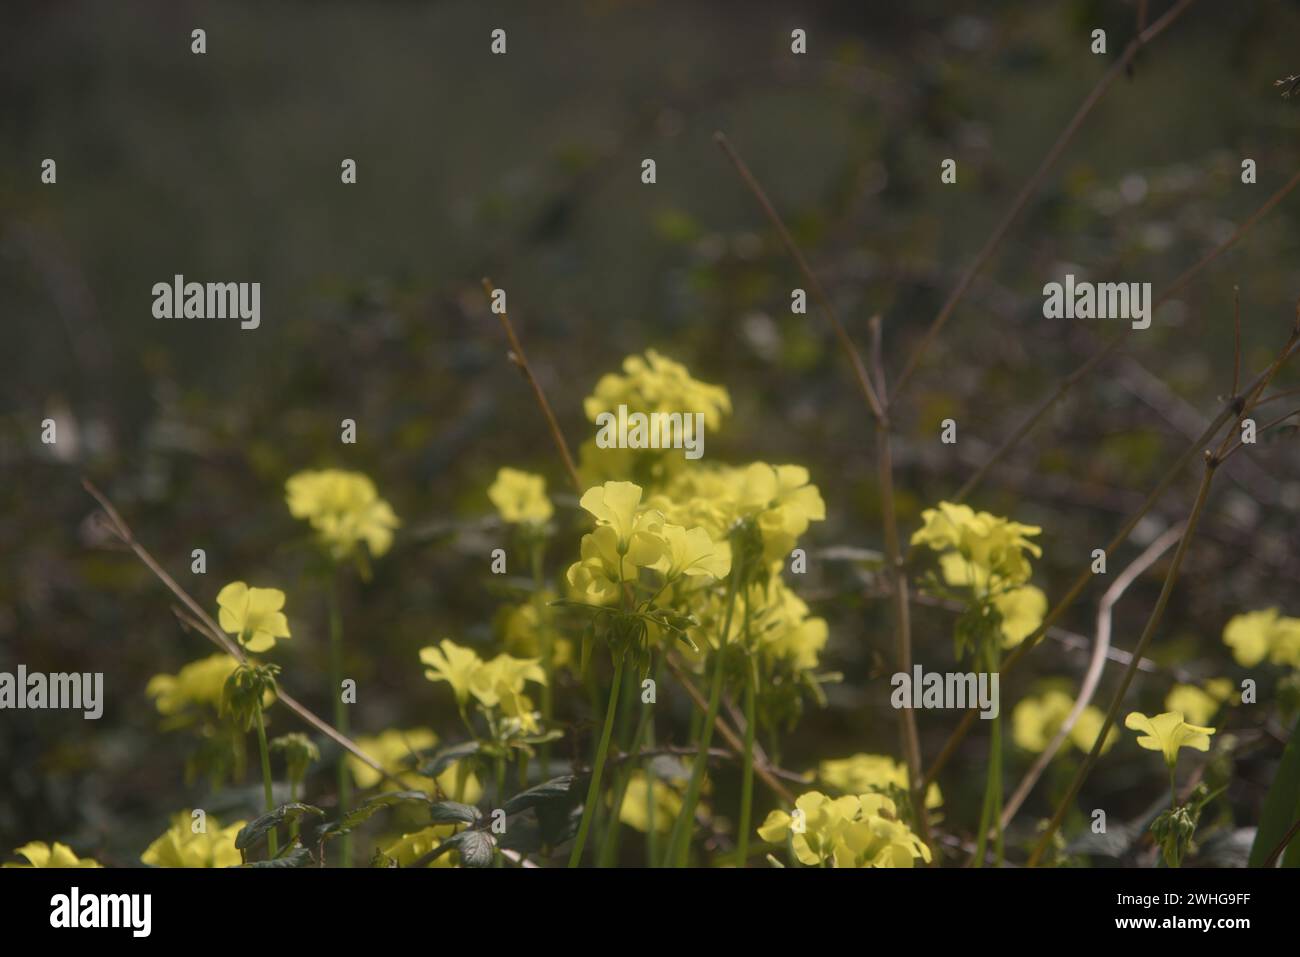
363,812
1281,808
447,757
293,856
476,848
451,812
556,789
252,832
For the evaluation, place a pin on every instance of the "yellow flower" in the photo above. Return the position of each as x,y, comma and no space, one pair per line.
40,854
181,846
815,826
783,503
197,683
392,749
500,684
1257,635
411,847
861,831
344,508
876,838
520,627
1167,733
635,812
627,538
657,384
781,628
1036,720
1197,704
253,615
453,664
692,553
1022,611
871,773
983,551
616,505
520,497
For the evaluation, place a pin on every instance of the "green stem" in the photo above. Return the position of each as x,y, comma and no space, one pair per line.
609,846
679,840
293,799
340,711
272,845
747,766
593,789
547,642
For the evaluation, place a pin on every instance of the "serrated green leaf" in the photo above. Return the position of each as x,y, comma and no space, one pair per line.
253,831
447,757
363,812
476,848
556,789
452,812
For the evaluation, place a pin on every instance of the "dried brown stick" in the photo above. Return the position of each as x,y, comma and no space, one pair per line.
1100,356
213,632
520,359
1031,186
1092,677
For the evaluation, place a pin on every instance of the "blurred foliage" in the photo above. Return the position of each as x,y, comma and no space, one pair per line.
526,168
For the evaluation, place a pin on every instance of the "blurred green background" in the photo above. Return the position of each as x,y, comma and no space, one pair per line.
526,167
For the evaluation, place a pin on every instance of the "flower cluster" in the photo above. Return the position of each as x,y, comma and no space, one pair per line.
197,684
195,842
344,509
520,498
396,751
1037,719
872,773
40,854
988,555
497,685
1200,705
850,831
1258,635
